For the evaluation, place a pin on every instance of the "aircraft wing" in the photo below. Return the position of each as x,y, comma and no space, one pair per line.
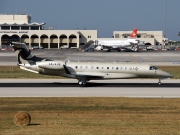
88,75
84,74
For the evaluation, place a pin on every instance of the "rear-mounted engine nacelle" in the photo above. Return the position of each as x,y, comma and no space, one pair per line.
55,65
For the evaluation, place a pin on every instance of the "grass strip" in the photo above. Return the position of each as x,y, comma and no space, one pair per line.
92,116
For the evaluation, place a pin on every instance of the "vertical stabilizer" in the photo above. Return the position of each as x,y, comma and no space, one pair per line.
134,33
23,54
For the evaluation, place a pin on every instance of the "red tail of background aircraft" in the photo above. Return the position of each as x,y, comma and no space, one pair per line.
134,33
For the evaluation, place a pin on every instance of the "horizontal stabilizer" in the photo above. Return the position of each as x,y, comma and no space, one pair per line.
28,70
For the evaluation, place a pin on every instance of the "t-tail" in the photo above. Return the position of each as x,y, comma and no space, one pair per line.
26,60
134,33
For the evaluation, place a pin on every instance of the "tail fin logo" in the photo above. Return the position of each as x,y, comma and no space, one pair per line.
134,33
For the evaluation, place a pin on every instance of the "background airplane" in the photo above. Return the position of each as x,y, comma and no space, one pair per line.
119,44
84,71
131,44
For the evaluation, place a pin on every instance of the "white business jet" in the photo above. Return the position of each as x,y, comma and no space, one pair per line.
85,71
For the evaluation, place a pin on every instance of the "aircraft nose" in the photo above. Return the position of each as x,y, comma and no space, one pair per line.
166,74
169,75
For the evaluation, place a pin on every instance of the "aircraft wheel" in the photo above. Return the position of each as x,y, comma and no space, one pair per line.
82,83
159,82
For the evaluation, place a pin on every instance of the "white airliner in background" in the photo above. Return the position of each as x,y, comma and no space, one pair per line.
119,44
85,71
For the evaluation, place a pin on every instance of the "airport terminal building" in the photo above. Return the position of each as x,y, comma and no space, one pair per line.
19,28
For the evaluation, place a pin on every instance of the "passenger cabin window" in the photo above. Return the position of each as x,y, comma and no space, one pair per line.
107,67
76,67
153,68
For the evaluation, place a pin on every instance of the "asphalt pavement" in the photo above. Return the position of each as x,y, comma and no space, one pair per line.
171,58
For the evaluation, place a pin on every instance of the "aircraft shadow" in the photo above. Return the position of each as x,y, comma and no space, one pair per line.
89,84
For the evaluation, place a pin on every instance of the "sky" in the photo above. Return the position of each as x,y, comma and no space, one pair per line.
105,16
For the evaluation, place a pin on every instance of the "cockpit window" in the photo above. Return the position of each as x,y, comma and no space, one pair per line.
153,68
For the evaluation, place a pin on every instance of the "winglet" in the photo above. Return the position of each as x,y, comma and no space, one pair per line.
66,70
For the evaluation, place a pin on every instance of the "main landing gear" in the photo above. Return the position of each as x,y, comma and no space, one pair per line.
135,48
82,82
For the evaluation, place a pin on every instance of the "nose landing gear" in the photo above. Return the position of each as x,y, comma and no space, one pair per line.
159,81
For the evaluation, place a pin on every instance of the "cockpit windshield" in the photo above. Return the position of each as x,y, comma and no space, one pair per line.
153,68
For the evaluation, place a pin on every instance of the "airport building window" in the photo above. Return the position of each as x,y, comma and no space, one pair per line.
116,35
5,27
15,27
34,27
24,27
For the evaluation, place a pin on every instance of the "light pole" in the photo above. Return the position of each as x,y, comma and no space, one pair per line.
164,18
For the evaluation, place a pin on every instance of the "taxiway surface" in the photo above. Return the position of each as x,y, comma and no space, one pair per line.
152,57
101,88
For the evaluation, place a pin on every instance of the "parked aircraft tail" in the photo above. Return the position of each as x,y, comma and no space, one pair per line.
134,33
